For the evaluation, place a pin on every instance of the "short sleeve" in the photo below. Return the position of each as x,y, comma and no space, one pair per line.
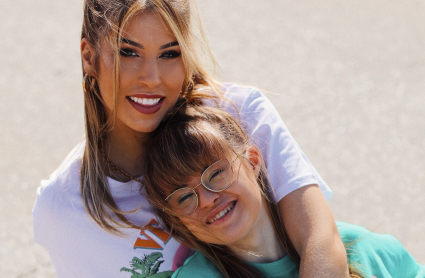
288,167
379,255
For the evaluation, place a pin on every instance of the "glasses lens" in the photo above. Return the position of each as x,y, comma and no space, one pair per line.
218,176
183,201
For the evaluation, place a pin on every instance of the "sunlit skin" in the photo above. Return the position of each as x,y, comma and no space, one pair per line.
247,226
311,225
151,70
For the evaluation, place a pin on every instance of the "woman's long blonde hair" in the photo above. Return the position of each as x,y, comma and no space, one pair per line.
106,19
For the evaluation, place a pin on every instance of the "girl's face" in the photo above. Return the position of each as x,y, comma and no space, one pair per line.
231,216
151,73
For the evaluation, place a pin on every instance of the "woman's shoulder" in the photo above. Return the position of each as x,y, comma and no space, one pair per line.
68,172
65,180
241,95
55,194
241,101
197,265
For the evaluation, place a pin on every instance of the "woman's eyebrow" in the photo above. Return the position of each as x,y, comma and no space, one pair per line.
170,44
130,42
136,44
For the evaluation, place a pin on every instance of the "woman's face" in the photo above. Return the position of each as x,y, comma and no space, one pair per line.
151,73
230,216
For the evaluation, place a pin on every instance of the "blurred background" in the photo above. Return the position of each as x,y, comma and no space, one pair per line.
348,78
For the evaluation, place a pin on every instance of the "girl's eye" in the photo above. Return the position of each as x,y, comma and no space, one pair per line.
184,198
171,54
128,53
217,175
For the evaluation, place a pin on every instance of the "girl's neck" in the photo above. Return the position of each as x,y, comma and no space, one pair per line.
124,149
261,244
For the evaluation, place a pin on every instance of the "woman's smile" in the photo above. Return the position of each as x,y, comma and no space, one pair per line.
146,104
151,74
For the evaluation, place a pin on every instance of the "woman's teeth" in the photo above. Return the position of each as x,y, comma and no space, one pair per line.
221,213
145,101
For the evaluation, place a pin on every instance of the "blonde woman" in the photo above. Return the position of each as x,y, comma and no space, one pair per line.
140,59
211,191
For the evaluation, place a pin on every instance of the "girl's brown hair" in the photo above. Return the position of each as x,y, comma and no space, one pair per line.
190,139
105,20
182,146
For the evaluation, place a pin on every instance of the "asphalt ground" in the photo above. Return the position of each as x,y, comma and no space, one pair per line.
348,78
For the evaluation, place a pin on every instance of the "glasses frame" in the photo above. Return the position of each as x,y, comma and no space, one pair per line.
206,187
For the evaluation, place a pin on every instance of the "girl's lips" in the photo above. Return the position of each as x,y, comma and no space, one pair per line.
224,217
138,103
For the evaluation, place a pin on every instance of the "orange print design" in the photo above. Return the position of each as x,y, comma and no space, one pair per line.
150,243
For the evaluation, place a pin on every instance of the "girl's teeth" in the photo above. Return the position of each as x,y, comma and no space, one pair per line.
145,101
222,213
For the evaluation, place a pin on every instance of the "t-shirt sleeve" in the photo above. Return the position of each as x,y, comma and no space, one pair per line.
378,255
287,165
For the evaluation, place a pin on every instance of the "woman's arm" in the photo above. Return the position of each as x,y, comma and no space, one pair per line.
311,227
299,190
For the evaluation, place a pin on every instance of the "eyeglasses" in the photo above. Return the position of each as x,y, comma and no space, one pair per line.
216,178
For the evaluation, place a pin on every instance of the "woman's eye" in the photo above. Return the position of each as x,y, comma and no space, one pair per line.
184,198
128,53
171,54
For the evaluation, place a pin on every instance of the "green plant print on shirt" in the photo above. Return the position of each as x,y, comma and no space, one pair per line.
148,266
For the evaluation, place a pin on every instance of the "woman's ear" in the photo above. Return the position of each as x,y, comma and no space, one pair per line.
88,54
254,157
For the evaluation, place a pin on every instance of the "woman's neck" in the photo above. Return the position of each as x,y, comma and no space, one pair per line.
261,245
125,149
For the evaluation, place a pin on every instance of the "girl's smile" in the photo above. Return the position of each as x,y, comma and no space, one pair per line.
222,215
232,216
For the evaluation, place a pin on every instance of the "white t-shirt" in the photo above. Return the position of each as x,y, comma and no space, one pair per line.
79,247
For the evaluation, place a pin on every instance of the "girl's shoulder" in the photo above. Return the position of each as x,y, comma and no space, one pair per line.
380,255
197,265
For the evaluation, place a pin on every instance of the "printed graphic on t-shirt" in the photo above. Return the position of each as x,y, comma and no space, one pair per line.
147,242
148,266
152,237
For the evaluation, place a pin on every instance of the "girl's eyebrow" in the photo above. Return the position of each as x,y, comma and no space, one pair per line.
136,44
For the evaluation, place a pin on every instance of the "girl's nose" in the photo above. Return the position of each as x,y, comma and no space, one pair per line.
207,198
149,73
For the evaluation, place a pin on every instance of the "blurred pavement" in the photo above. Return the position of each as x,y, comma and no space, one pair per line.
348,78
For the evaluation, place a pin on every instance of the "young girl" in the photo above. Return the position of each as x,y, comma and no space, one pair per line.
211,192
140,58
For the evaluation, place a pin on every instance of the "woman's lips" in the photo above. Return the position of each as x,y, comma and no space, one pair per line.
146,104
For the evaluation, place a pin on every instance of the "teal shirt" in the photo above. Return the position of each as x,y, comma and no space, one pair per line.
372,254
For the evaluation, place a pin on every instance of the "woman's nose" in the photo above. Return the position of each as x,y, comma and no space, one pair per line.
149,73
206,197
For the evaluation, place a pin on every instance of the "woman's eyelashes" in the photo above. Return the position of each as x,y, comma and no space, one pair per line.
126,52
169,54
